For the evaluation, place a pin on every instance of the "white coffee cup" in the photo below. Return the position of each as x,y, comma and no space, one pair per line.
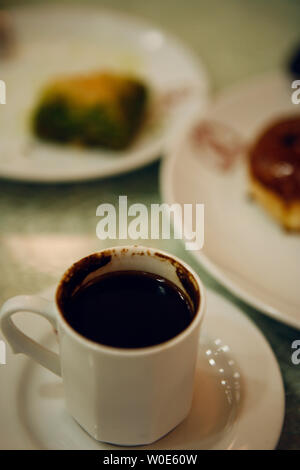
121,396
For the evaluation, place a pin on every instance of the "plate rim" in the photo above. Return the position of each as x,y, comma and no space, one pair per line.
238,312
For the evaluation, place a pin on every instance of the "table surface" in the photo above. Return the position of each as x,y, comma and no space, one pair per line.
44,228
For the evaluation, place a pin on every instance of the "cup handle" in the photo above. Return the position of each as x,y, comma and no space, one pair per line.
21,343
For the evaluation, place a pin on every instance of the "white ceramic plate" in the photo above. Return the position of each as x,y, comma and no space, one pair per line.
238,399
57,40
244,248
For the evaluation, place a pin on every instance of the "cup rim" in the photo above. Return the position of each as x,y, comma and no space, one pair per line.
147,350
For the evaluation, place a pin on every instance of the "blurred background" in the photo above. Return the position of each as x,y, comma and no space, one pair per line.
235,39
45,227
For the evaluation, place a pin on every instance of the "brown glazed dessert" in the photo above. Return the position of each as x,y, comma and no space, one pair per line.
275,171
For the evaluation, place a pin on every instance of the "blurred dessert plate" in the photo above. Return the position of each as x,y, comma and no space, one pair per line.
61,41
245,248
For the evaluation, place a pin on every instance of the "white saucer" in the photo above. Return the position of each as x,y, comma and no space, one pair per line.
244,248
238,398
55,40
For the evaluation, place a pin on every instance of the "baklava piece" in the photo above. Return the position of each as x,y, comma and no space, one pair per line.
96,110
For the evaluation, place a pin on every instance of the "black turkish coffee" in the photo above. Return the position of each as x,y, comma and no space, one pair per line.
129,309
